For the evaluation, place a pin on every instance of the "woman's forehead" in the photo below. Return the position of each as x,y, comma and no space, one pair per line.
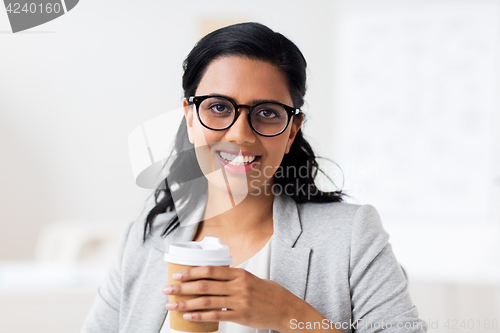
244,80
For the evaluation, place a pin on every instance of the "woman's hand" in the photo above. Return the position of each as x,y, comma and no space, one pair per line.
249,300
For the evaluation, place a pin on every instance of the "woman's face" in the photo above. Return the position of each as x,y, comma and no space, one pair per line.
247,82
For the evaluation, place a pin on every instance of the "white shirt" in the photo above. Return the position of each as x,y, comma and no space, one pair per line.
258,265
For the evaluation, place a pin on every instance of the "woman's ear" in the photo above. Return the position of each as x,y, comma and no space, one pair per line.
296,123
188,113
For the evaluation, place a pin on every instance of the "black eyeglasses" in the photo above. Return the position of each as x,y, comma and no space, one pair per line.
219,113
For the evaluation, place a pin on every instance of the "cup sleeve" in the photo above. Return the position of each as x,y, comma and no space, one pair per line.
380,296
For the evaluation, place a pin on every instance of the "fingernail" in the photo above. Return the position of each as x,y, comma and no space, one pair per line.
167,290
177,276
187,316
171,305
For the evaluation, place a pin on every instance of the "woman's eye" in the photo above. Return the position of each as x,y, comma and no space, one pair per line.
219,108
268,114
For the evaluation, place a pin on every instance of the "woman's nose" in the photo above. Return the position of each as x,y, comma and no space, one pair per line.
241,131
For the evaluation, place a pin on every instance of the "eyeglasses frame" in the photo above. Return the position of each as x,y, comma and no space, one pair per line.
197,100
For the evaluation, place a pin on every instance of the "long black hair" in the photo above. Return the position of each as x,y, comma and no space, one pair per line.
258,42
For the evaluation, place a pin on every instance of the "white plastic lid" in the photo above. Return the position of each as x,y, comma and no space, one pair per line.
209,252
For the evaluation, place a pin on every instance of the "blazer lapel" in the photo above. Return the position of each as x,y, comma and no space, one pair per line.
289,263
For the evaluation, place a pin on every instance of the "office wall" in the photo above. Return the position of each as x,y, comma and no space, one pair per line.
402,94
73,89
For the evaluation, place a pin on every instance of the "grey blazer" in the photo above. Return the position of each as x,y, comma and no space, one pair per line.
335,256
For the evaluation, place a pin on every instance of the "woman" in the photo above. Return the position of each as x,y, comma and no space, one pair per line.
303,259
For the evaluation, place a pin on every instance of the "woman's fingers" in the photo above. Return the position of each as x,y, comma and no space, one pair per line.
200,287
230,294
208,272
201,303
215,315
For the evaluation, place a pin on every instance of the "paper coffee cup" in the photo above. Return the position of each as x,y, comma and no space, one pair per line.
209,252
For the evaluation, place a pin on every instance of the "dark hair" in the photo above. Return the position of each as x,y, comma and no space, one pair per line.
258,42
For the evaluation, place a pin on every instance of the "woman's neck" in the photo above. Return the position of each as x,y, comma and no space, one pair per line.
248,218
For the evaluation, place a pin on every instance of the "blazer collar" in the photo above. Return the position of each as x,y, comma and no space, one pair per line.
286,222
289,262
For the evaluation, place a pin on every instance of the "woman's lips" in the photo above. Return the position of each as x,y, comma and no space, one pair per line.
241,163
237,152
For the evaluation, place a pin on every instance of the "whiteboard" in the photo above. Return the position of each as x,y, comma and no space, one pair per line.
416,111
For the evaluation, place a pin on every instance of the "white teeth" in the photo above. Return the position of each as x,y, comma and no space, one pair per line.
236,159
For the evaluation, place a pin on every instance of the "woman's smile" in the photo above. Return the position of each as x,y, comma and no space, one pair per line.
237,162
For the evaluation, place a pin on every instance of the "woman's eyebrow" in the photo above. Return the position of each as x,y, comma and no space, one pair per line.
255,101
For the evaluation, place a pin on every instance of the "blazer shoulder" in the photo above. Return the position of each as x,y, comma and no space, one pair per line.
326,213
337,217
136,245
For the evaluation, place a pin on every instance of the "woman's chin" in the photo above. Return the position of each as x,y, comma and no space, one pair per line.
236,186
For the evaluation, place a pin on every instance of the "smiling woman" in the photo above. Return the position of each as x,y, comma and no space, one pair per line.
300,255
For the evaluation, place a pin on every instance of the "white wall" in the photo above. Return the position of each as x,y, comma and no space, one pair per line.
416,128
73,89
